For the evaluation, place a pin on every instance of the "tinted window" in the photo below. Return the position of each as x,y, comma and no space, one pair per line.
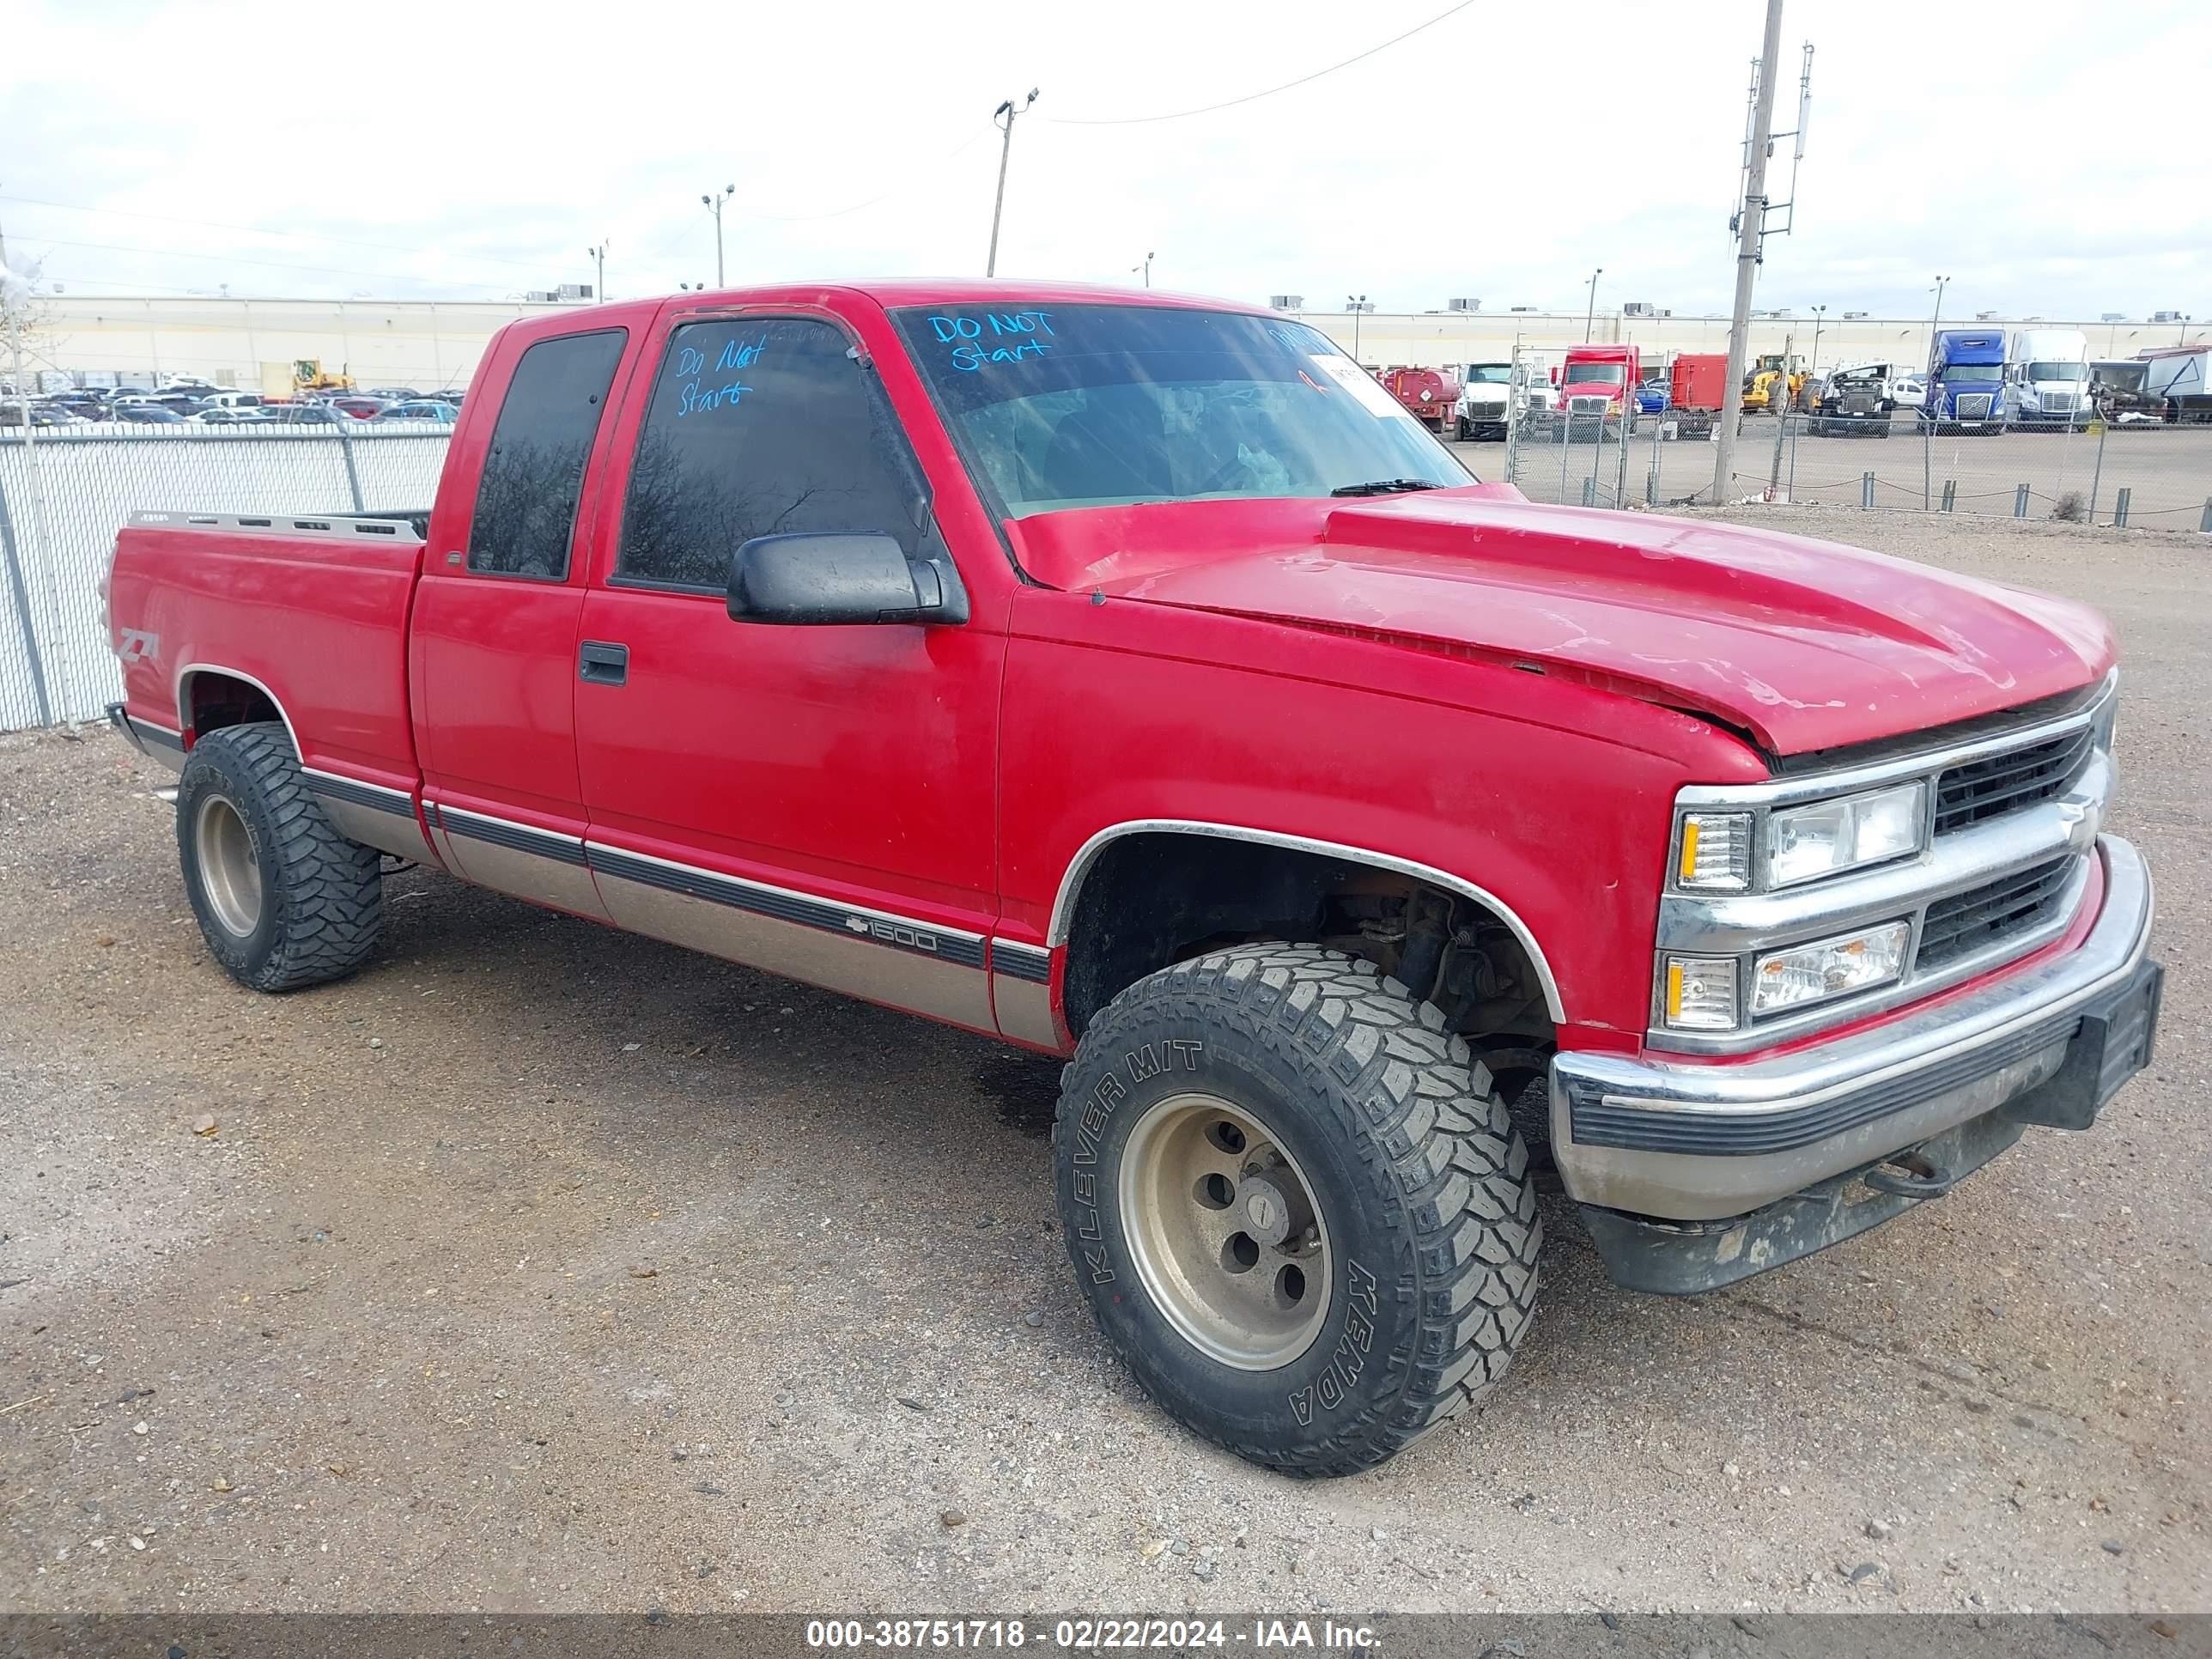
761,427
526,502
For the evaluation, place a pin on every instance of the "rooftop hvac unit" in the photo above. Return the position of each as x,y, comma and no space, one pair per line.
2113,317
543,294
1287,301
2166,317
1853,316
1462,305
1986,316
574,291
1643,308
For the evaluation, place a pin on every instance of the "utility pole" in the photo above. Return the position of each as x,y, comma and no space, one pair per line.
1003,117
1751,224
1935,319
600,253
715,202
1589,321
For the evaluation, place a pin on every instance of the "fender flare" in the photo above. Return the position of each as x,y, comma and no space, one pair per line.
1078,869
183,706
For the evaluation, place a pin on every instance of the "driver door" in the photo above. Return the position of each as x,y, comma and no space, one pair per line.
815,801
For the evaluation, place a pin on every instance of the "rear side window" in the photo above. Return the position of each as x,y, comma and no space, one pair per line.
526,501
761,427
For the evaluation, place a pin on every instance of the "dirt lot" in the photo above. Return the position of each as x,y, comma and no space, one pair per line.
542,1267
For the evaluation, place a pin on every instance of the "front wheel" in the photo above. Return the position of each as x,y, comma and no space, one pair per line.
1297,1205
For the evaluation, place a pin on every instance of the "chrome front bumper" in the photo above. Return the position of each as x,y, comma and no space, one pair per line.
1656,1136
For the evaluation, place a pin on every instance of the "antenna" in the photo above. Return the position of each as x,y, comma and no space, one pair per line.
1786,207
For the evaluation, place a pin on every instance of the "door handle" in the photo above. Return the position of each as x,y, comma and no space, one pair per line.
600,663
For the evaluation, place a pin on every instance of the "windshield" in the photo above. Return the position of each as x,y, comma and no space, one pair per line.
2058,371
1597,373
1489,374
1093,405
1956,371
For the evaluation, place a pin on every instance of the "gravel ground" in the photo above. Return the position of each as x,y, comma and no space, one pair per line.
542,1267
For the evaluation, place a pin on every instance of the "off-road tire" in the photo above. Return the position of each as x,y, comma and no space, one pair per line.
1414,1166
322,904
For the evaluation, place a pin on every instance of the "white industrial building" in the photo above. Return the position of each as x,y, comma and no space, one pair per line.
433,344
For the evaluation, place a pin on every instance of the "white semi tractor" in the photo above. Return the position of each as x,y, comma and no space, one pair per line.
2047,378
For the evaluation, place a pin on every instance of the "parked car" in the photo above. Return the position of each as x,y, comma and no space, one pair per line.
421,410
1757,881
1651,397
41,414
361,408
149,413
394,394
1908,391
308,415
229,415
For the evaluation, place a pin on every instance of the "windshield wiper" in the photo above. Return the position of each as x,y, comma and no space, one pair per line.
1385,486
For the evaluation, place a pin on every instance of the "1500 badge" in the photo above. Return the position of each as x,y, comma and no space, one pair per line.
891,933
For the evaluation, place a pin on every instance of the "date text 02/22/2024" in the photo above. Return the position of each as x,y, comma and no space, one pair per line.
1264,1636
998,337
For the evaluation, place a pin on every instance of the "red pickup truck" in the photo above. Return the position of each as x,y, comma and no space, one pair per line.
1132,678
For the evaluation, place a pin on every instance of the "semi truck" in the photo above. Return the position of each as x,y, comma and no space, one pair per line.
2047,379
1597,386
1696,393
1966,379
1128,678
1485,401
2176,378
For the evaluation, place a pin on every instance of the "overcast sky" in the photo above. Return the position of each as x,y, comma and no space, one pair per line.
2049,158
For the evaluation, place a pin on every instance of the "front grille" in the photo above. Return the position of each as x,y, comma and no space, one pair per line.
1992,913
2057,403
1972,405
1997,784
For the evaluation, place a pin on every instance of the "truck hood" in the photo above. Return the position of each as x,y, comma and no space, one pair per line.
1807,645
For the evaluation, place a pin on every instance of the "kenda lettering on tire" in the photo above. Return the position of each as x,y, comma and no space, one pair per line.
1334,1386
1142,1063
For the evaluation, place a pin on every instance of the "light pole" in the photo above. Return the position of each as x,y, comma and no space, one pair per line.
1003,117
2182,338
715,202
1355,303
1941,283
1813,368
1147,268
1589,321
599,254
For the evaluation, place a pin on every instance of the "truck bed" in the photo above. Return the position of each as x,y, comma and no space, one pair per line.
310,610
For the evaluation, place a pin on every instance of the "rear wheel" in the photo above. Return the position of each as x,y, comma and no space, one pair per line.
282,899
1297,1205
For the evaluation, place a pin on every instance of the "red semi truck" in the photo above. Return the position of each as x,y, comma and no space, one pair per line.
1127,678
1697,391
1598,383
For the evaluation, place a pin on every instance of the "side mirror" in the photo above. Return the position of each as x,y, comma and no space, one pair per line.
840,578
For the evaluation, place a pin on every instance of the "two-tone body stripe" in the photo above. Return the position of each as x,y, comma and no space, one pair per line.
781,904
1031,962
505,832
354,791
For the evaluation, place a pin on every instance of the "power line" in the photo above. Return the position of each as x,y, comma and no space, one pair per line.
1253,97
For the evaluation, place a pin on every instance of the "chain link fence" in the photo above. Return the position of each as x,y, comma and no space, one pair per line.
65,493
2142,473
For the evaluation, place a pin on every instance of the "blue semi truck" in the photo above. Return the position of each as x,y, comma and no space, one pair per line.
1966,379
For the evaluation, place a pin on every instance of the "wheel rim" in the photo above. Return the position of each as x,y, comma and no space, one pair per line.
230,872
1225,1232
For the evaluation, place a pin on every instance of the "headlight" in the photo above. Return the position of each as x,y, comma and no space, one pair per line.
1828,968
1806,842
